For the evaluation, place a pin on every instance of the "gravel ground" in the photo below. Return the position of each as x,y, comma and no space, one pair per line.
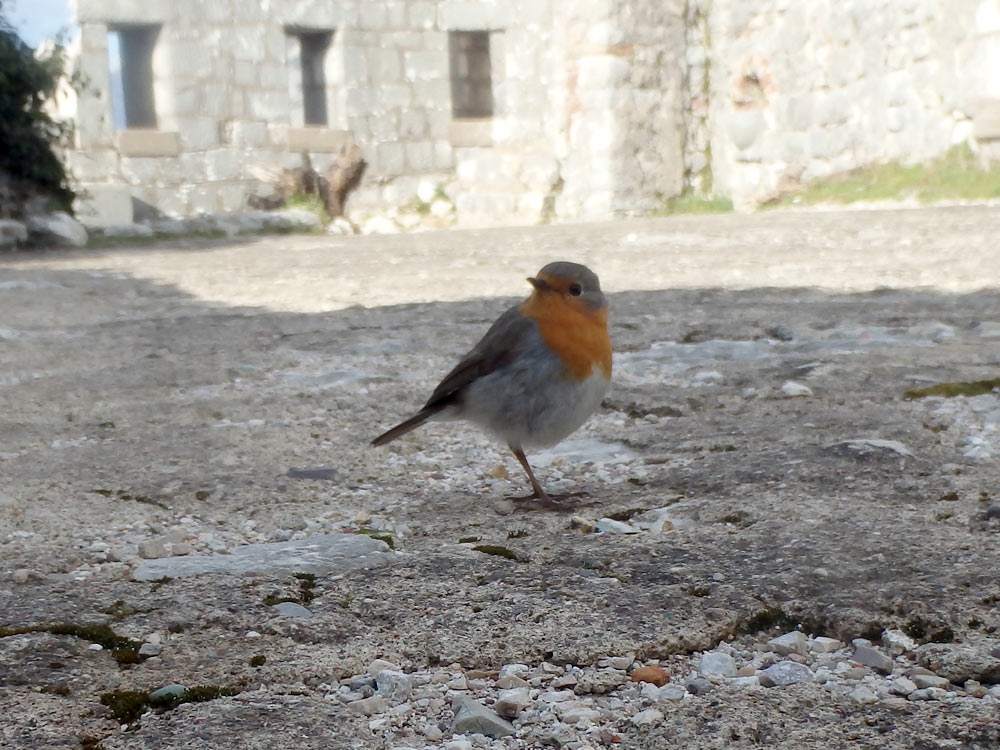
776,546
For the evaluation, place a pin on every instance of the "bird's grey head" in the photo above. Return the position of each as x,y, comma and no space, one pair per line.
573,280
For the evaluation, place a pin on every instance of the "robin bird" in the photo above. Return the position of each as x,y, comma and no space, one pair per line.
537,374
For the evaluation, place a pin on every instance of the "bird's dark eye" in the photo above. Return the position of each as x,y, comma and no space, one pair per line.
575,289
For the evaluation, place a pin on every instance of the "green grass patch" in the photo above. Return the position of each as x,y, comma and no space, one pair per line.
311,203
952,389
956,175
689,202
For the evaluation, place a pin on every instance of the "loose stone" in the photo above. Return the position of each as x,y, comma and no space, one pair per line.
511,681
927,694
648,717
897,642
863,695
291,609
699,686
565,681
824,645
393,685
902,686
872,657
974,688
617,662
599,682
369,706
378,665
511,702
923,681
173,690
470,717
149,649
717,663
650,673
785,673
794,642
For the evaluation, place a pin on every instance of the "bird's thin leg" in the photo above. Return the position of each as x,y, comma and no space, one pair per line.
539,493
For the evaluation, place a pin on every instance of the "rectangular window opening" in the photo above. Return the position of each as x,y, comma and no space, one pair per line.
130,63
313,48
471,74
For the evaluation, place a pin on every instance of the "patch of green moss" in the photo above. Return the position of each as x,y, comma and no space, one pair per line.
920,630
957,174
498,550
271,599
123,495
517,534
258,660
952,389
124,650
469,539
701,591
119,610
307,587
380,535
196,694
126,705
766,619
739,518
202,495
690,202
310,202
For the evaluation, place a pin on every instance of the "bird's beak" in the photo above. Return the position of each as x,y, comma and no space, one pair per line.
539,284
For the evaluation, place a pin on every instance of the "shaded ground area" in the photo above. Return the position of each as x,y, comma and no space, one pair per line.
153,403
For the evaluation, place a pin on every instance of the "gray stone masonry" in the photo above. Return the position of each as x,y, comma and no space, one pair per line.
600,107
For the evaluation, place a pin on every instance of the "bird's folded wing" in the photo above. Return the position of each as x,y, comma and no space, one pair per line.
503,343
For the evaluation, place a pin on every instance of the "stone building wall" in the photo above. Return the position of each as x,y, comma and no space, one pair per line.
574,103
600,107
799,90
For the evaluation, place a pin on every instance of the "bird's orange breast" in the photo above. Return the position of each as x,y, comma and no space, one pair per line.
575,334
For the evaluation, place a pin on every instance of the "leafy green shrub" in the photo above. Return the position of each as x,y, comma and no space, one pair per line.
27,132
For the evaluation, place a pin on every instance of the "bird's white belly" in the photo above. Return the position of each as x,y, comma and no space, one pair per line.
536,412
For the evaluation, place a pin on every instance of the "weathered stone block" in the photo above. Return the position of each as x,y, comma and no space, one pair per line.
385,127
140,142
421,15
242,133
396,96
222,164
424,65
412,124
316,139
390,159
56,229
197,133
385,65
104,205
420,156
471,16
744,126
470,133
268,105
986,121
12,233
244,73
247,41
373,16
232,197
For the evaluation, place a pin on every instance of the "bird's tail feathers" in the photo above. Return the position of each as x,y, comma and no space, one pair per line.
407,426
